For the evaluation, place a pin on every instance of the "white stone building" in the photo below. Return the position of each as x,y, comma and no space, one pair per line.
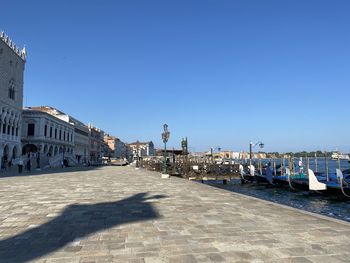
51,137
142,148
81,141
12,63
81,133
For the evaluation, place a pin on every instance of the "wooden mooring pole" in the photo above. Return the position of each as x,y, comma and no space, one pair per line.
260,166
316,168
282,165
326,163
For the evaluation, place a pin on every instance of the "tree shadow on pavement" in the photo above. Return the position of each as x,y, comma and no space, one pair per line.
75,222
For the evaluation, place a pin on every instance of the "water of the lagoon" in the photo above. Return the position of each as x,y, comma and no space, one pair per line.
330,205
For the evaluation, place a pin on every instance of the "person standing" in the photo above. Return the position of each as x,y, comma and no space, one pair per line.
301,165
20,165
5,163
29,166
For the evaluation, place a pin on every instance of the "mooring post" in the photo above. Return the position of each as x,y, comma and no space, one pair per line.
274,167
326,163
290,164
307,165
250,152
316,168
282,165
260,163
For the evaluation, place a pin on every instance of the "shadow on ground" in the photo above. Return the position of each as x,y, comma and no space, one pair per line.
75,222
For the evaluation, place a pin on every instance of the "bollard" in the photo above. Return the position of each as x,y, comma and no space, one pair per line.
316,168
326,163
282,165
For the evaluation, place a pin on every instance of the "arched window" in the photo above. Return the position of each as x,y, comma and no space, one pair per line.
12,89
4,127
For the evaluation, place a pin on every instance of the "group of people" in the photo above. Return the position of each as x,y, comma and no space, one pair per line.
7,164
21,164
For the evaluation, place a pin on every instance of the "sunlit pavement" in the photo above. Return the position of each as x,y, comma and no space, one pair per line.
119,214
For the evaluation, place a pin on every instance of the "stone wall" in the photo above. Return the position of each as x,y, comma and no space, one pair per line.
12,63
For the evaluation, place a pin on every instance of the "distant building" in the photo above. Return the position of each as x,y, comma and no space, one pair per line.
260,155
228,155
46,135
170,153
80,136
12,63
110,143
244,155
142,148
122,150
81,141
235,155
96,136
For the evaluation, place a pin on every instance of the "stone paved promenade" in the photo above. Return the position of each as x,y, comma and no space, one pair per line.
119,214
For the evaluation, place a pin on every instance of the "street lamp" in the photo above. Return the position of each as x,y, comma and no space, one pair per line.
251,146
184,145
165,137
137,154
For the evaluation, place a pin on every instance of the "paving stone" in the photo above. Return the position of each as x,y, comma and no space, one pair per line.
300,260
183,259
119,214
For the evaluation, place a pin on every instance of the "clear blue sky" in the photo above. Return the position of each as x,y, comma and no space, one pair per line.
220,72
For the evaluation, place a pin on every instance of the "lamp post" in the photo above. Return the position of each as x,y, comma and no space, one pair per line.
137,154
184,145
165,137
251,146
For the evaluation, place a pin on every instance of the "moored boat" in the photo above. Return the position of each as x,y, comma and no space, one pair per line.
340,156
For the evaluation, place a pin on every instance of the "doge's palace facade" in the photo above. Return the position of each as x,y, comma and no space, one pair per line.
12,62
